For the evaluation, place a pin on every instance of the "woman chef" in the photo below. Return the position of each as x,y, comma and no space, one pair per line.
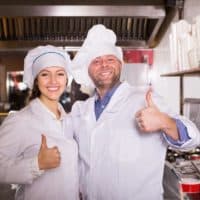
36,150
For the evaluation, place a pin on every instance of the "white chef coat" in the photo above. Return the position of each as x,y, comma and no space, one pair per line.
20,140
117,162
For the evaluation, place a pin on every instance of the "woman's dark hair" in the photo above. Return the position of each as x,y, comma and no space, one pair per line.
35,91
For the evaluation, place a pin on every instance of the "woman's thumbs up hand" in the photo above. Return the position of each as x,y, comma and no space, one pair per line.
48,158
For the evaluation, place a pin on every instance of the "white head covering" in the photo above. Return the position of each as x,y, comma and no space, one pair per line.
99,41
42,57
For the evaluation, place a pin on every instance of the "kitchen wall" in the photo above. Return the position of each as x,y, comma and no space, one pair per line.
168,87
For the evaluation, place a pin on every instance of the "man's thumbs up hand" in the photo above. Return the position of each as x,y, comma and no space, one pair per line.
149,100
48,157
148,118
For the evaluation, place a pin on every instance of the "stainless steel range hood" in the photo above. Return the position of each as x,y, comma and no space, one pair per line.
138,24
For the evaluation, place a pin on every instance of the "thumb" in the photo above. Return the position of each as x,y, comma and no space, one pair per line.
44,142
149,100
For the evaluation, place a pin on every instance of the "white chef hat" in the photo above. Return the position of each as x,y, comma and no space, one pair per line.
42,57
99,41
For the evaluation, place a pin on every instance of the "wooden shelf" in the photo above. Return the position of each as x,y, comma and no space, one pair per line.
3,114
184,72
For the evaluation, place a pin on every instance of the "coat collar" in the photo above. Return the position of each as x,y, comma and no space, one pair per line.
117,100
39,108
120,95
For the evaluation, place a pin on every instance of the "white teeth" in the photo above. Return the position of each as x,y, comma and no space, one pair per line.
105,73
52,88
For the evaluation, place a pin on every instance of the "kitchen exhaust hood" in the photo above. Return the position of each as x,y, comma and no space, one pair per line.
138,24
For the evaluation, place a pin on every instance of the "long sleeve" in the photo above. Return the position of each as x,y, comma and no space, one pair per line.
19,171
193,135
183,134
192,138
14,167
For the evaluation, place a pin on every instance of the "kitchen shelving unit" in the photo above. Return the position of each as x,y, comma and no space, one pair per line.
181,74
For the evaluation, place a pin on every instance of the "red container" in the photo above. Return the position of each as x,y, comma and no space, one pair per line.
190,190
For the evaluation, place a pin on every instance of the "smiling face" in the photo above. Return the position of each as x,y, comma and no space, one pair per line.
105,71
51,82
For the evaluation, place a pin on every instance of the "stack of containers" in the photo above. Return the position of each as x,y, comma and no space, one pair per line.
185,45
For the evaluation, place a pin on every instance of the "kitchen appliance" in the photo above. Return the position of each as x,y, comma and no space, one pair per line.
182,180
